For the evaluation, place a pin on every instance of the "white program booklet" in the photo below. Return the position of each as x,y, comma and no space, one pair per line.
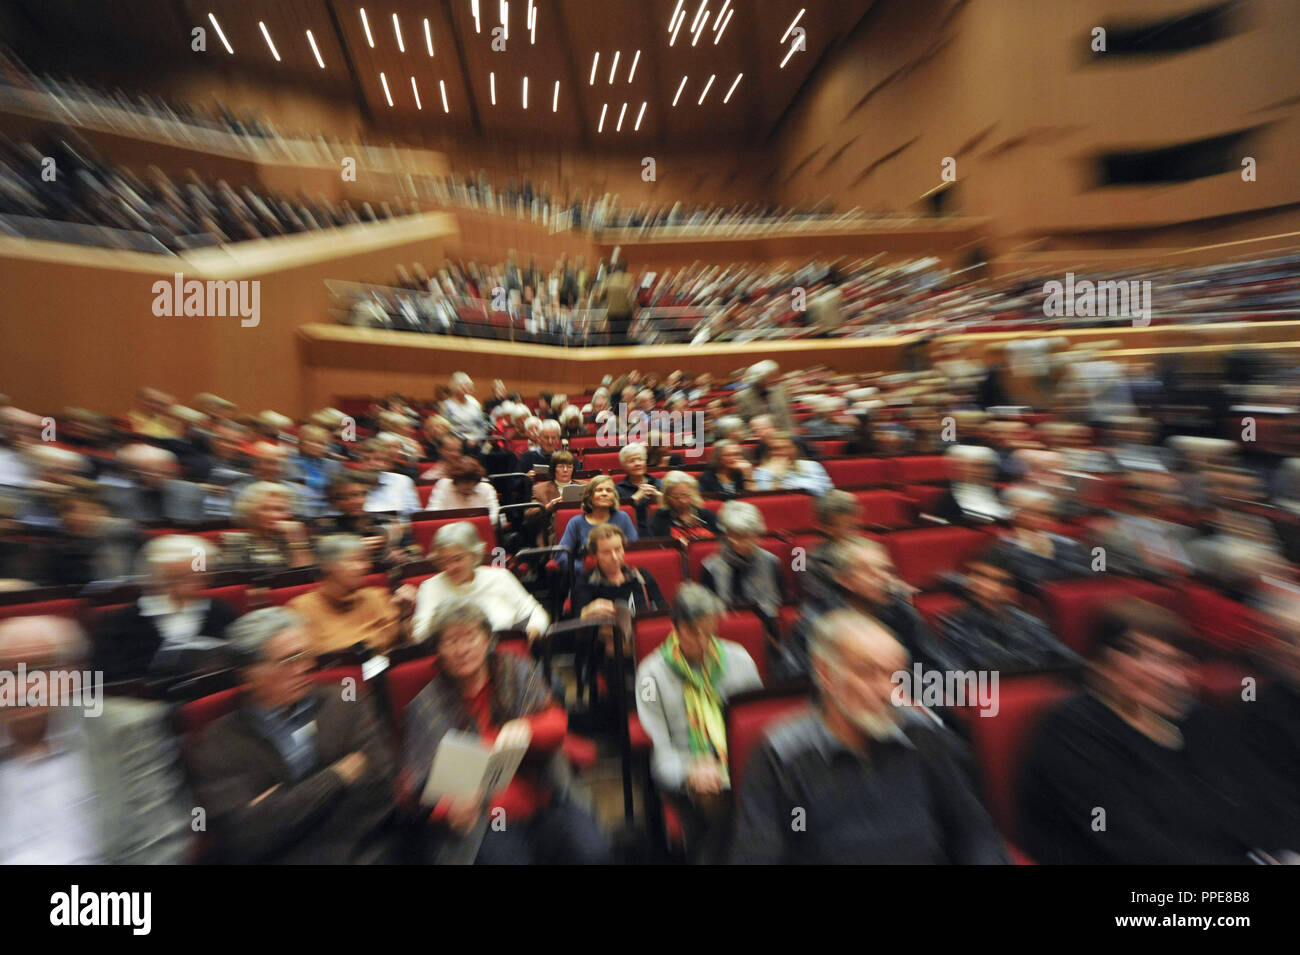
463,766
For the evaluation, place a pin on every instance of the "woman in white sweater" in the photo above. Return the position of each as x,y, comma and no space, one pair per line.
496,591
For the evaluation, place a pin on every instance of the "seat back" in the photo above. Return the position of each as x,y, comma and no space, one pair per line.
1000,741
423,529
921,555
922,469
854,473
886,509
738,626
1074,607
750,716
404,683
789,513
664,564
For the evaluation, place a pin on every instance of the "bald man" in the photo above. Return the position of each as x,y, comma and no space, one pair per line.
860,780
80,788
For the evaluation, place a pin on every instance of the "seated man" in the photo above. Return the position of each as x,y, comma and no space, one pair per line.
341,613
681,691
991,632
867,582
1134,771
388,539
504,699
871,782
82,791
171,629
299,773
971,497
1034,552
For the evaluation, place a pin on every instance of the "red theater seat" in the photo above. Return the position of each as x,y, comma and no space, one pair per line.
1074,606
749,717
1219,620
925,469
923,554
664,564
788,513
195,716
66,607
853,473
1000,741
886,509
424,528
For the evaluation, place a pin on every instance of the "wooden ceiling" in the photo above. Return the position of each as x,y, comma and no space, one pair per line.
735,37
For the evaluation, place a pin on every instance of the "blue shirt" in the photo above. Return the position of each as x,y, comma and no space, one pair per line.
292,731
578,528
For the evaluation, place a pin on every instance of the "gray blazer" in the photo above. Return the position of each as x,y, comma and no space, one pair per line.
661,707
141,803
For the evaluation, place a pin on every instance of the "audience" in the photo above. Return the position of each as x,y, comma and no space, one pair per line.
458,553
874,783
76,790
341,611
171,629
300,773
611,581
682,689
506,701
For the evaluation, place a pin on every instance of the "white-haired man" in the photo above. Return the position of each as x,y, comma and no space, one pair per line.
860,780
76,790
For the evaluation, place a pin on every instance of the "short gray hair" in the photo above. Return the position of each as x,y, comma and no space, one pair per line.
695,602
741,517
252,496
174,549
457,612
628,449
248,636
336,547
461,535
829,630
550,424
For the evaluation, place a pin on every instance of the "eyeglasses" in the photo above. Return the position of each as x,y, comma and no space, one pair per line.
292,659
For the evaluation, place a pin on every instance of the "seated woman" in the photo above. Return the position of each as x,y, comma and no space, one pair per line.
730,473
782,468
684,687
611,581
683,515
742,571
170,630
599,506
458,553
464,486
387,537
549,494
637,487
341,612
270,540
451,452
506,701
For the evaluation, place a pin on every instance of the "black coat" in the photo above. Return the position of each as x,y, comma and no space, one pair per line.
126,642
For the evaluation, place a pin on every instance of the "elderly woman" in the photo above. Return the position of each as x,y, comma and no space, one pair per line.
549,494
462,410
171,629
451,453
504,700
458,554
342,613
465,486
683,515
270,540
729,473
784,469
611,581
599,506
742,571
971,497
637,487
685,685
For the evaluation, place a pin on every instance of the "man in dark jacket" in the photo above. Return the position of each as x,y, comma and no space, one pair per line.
300,773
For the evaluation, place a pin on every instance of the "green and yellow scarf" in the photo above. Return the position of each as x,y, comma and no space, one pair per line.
708,731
